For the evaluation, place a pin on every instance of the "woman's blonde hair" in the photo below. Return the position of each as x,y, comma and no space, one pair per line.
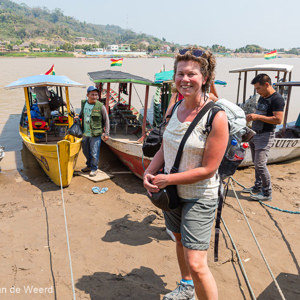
206,61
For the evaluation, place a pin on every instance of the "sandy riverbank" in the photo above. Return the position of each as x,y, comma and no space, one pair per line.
119,246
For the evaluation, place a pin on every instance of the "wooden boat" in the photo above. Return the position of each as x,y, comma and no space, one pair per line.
128,126
287,137
128,146
56,153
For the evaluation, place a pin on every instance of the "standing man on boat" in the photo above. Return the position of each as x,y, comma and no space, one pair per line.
269,113
94,121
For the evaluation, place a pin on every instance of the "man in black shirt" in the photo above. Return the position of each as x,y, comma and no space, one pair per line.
269,113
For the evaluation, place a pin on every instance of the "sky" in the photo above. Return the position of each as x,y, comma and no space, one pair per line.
231,23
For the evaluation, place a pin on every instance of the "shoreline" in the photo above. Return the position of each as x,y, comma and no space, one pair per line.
170,55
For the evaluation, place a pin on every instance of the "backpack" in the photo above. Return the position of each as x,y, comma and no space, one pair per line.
238,131
55,101
153,141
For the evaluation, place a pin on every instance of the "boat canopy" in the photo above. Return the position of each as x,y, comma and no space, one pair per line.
167,77
164,76
265,67
288,83
44,80
118,76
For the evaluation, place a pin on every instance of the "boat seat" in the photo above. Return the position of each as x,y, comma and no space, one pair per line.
60,125
131,121
39,126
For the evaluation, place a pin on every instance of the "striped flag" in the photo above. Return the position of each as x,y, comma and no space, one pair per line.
116,62
50,71
270,55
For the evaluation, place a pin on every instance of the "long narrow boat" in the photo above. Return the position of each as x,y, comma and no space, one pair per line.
54,150
287,139
128,145
128,126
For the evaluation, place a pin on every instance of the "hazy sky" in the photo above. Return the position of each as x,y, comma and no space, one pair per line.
232,23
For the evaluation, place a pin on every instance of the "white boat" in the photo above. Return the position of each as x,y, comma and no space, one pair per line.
287,139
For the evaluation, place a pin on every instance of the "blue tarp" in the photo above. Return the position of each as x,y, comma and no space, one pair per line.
168,76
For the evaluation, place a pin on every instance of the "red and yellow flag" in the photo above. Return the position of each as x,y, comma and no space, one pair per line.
270,55
50,71
116,62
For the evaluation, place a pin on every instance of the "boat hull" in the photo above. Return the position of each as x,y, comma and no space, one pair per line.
282,150
47,157
130,153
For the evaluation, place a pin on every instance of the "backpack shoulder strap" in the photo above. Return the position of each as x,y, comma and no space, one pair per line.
173,109
211,117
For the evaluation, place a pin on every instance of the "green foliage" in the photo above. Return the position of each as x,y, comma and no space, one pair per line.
250,49
20,22
36,54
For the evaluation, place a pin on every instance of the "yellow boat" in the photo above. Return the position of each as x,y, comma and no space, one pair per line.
56,153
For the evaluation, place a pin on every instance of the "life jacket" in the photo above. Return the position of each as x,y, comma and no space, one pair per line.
39,124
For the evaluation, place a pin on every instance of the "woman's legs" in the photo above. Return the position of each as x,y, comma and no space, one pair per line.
184,270
204,282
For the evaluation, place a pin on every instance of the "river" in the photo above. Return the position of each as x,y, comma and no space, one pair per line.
12,101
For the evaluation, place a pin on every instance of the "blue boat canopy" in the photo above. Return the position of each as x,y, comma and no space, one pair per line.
44,80
167,76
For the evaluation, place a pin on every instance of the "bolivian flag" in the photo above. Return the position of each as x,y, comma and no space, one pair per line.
270,55
116,62
50,71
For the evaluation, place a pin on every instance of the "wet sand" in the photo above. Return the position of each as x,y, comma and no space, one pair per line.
119,246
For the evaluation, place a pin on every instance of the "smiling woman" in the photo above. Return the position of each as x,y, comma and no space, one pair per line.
196,180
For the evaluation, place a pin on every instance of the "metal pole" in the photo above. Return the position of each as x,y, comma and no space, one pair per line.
145,111
70,119
130,90
238,91
245,87
29,115
107,97
119,94
286,110
254,93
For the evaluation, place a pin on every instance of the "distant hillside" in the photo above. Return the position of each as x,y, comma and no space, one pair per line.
22,23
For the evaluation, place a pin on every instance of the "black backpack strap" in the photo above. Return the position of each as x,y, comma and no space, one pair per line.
211,117
199,116
222,193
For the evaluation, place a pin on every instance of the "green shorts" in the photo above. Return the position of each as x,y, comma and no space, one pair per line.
193,219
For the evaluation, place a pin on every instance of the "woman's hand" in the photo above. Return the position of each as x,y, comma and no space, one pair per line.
161,180
148,184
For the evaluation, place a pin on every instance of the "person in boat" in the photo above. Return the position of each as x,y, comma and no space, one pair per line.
269,113
95,123
42,96
197,180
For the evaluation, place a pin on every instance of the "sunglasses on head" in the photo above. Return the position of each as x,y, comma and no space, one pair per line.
195,52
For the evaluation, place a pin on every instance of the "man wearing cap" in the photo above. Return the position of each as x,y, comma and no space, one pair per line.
94,121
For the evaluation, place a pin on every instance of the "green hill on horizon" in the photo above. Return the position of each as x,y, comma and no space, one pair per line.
23,23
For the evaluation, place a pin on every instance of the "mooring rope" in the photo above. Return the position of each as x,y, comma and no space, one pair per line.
256,241
240,260
268,205
66,225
